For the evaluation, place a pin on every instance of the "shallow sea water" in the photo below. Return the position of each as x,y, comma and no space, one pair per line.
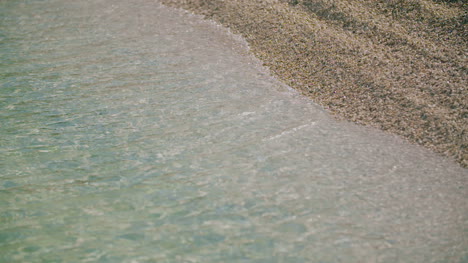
131,132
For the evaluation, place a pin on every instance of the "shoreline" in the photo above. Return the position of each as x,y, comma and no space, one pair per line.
399,67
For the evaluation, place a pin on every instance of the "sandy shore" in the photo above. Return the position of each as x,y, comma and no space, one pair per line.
400,66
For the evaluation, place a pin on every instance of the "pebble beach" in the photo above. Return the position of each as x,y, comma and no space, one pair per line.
399,66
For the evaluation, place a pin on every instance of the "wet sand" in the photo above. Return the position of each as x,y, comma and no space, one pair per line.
399,66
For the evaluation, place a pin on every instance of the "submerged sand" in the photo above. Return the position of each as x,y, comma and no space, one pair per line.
396,65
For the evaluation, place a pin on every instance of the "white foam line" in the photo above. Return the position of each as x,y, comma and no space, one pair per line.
293,130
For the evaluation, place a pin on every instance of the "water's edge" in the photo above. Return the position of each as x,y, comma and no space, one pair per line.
365,71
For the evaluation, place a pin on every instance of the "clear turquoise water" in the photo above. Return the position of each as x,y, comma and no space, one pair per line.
130,132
